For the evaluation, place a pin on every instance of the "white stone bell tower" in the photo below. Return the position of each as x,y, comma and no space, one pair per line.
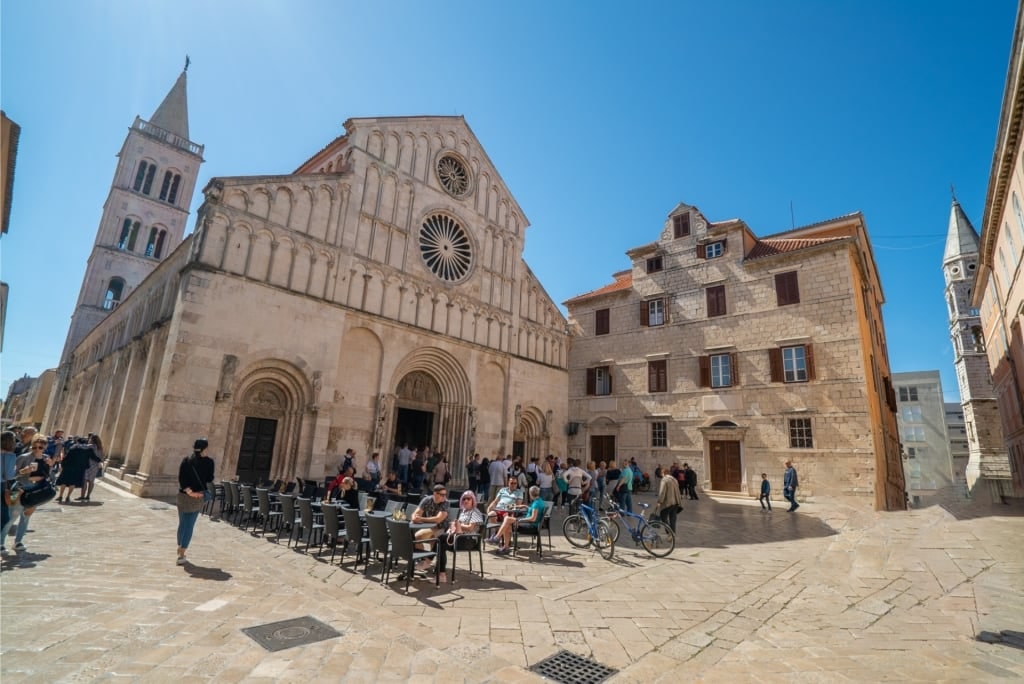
145,215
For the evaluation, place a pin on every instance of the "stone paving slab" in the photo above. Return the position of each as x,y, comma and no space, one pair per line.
828,594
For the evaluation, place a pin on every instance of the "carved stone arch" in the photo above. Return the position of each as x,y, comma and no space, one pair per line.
260,203
237,198
272,396
375,144
392,147
531,433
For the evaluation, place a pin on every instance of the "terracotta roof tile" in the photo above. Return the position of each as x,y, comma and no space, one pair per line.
771,247
623,281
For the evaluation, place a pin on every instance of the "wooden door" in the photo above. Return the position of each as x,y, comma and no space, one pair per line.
257,449
726,471
602,448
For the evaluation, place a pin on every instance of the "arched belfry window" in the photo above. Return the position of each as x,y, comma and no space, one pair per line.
154,233
160,244
114,292
144,177
129,233
169,189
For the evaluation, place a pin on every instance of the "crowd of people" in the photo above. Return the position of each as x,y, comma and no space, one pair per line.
37,468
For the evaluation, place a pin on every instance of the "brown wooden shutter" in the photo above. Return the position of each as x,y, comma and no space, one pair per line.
663,376
734,369
645,314
809,357
705,371
701,254
652,376
608,371
786,288
664,309
602,322
591,381
775,364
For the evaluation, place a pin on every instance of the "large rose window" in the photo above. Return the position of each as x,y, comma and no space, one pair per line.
453,175
445,247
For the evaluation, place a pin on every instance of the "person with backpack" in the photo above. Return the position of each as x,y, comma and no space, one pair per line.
194,473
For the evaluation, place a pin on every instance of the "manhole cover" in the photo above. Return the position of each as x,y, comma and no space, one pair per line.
277,636
569,668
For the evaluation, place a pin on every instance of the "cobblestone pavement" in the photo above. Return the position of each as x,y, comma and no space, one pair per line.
827,594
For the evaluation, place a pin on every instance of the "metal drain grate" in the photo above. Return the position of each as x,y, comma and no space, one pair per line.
569,668
277,636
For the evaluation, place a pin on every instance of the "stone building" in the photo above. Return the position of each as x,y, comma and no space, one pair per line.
735,353
376,295
27,398
921,416
959,448
998,289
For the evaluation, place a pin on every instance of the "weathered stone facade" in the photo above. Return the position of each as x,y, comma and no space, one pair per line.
921,416
378,294
709,357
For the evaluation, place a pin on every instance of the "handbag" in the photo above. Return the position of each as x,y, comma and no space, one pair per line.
190,504
38,495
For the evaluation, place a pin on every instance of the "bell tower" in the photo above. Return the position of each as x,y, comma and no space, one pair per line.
988,466
145,215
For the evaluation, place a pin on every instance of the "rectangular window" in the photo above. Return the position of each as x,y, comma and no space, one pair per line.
656,312
654,264
794,364
787,290
659,434
913,433
714,250
912,414
599,381
681,225
908,394
721,370
800,436
657,376
602,321
716,300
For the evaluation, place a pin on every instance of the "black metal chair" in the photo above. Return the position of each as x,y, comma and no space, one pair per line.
403,548
250,510
269,512
216,494
310,527
354,533
290,519
233,501
333,532
466,542
380,543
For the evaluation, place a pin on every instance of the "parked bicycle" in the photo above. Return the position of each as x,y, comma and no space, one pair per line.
586,529
655,536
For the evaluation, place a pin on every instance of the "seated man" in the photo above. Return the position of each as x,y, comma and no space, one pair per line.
391,485
509,499
432,509
533,516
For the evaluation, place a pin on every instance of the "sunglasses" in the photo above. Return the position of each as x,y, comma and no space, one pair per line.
38,446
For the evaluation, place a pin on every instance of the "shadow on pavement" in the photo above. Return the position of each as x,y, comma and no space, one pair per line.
22,561
199,572
714,524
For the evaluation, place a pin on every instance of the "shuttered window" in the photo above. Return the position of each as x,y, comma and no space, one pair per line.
599,381
654,312
602,322
787,291
716,300
791,364
657,376
718,370
681,225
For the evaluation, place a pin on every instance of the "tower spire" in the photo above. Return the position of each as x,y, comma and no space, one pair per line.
961,237
172,114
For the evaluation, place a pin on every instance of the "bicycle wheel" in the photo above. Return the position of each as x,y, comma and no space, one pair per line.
576,531
604,542
613,527
658,538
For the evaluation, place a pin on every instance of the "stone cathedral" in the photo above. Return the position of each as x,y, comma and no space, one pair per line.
375,296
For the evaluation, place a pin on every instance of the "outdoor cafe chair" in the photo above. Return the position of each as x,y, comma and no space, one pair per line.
250,509
403,548
354,533
332,531
290,519
380,543
310,527
232,498
270,514
534,530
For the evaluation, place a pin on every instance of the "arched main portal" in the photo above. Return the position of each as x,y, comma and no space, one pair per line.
531,437
265,426
430,405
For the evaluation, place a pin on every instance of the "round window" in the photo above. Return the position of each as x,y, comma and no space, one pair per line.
445,248
970,267
453,175
955,269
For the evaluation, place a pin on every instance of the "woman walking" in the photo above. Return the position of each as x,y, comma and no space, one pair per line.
95,463
195,472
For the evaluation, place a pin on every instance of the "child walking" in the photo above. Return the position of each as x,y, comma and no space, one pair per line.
766,493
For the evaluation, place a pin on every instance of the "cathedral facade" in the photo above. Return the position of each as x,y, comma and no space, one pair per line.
374,297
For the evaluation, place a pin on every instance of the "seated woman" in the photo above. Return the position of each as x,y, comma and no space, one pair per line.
533,516
348,493
469,521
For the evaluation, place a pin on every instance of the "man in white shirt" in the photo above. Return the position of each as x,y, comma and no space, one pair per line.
578,479
404,458
498,472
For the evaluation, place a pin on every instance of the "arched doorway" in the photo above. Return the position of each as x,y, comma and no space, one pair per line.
530,438
417,404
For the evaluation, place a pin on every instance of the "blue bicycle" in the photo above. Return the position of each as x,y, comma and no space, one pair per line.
656,537
585,529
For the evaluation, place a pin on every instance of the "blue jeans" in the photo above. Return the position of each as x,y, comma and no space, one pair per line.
22,527
403,473
626,500
186,524
13,513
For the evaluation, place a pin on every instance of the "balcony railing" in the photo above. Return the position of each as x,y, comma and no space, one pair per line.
167,137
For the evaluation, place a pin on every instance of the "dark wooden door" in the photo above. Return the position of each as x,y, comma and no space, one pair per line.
726,473
602,448
257,450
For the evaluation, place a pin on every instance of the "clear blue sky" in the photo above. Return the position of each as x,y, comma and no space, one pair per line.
600,117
